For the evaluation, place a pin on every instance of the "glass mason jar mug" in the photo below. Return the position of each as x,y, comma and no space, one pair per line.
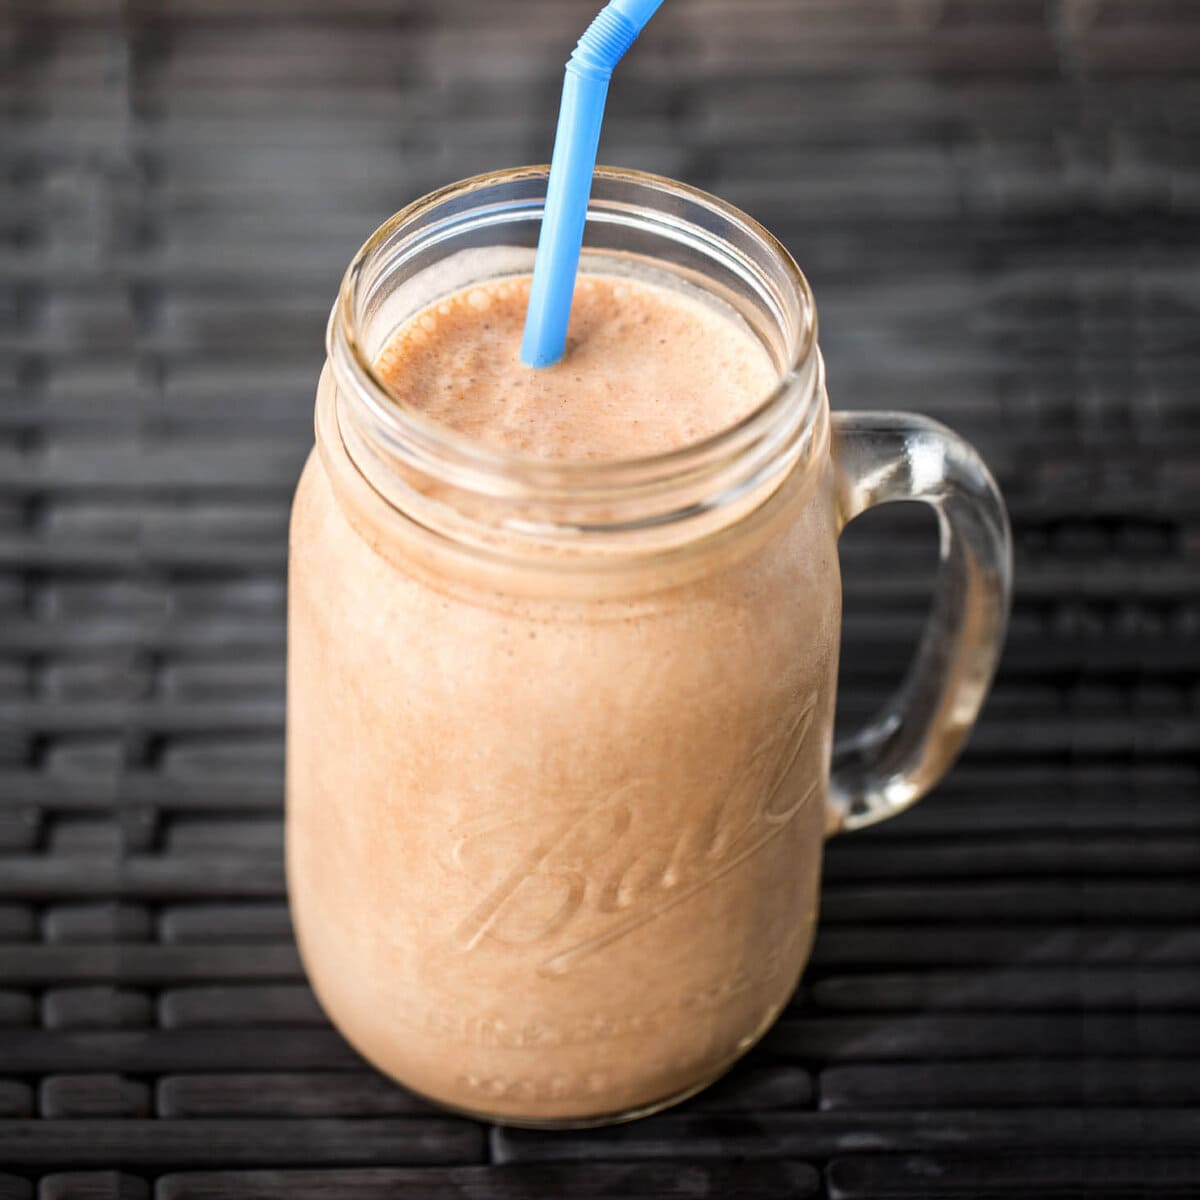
560,751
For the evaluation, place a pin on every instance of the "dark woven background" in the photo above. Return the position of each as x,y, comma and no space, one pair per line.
998,204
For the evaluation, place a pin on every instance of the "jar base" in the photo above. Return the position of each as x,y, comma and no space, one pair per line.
563,1124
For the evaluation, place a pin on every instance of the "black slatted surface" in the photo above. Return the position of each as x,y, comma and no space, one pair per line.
998,203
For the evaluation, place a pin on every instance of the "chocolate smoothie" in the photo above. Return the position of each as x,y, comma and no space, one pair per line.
554,858
646,370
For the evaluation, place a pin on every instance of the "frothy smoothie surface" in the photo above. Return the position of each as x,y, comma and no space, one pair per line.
646,370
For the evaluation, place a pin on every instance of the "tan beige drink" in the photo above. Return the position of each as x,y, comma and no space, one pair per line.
562,653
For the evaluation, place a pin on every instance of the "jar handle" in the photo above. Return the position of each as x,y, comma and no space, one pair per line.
881,457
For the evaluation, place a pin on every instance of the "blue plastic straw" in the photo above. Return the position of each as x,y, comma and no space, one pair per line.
585,88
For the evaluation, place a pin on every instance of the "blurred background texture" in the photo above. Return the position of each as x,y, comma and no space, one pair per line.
998,205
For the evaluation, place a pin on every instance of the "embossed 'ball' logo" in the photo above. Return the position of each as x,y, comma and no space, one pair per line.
541,878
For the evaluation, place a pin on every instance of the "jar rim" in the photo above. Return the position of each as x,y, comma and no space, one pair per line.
500,471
